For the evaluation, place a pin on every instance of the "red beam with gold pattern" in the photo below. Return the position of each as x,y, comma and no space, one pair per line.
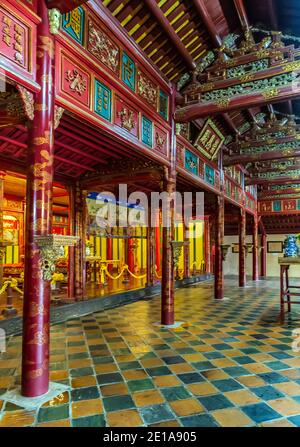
238,102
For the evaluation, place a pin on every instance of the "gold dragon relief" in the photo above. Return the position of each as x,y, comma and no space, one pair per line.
46,45
39,184
47,156
38,169
40,338
39,225
47,138
36,373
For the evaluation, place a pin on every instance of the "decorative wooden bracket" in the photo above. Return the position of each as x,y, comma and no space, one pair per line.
50,247
225,248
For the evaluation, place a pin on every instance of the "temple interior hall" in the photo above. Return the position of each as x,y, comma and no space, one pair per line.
150,214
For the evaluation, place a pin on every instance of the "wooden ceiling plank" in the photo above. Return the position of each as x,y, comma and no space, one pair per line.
163,21
208,22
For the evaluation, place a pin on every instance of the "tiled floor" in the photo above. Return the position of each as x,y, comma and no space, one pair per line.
231,364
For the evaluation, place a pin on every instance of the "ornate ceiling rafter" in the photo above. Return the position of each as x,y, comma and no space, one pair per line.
274,166
270,141
252,74
270,132
266,177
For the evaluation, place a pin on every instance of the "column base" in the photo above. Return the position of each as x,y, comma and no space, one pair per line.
31,403
170,326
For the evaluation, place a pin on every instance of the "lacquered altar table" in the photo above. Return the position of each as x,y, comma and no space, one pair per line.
286,290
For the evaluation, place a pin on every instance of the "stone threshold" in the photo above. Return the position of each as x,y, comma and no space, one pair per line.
61,313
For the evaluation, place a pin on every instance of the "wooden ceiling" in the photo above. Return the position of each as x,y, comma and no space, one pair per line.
140,19
79,148
199,26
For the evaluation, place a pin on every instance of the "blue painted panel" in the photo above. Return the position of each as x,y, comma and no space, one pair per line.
277,205
128,71
102,100
209,175
73,24
163,105
191,162
147,130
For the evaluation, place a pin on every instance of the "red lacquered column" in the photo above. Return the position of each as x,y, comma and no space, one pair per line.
157,244
150,252
255,250
2,248
207,244
242,249
35,354
109,252
186,251
167,284
80,231
219,241
263,255
71,257
130,254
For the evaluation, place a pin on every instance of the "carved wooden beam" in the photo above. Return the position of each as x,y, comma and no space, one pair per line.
65,5
264,181
290,189
270,142
243,159
168,29
238,102
240,8
253,74
275,166
124,171
208,22
230,123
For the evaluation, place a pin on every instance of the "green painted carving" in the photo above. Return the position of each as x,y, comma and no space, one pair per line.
280,196
229,41
244,69
205,62
285,187
183,81
290,146
228,139
260,117
244,127
260,85
295,173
